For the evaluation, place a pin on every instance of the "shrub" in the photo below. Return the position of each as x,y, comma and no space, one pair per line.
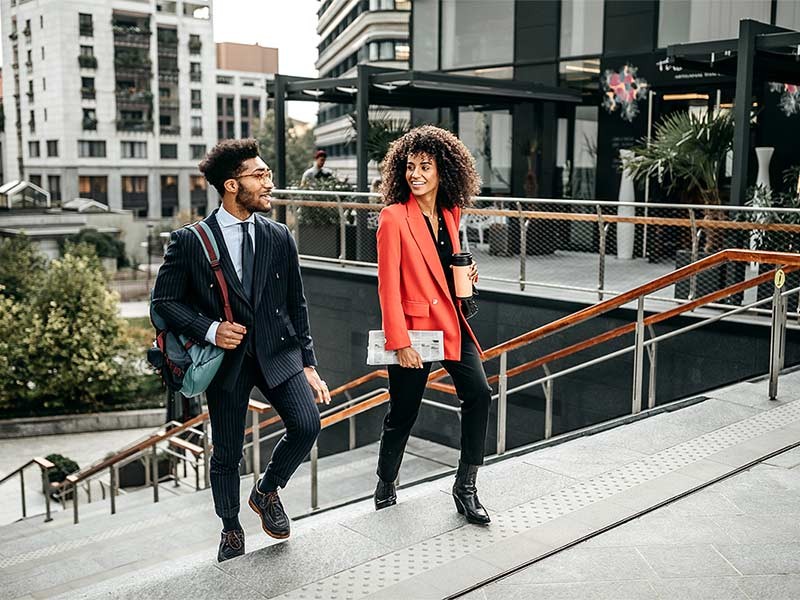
21,265
105,245
63,467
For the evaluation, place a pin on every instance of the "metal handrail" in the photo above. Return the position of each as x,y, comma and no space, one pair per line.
44,468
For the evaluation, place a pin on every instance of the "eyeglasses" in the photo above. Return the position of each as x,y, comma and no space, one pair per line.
264,176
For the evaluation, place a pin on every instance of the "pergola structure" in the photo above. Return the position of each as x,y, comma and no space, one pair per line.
399,88
762,53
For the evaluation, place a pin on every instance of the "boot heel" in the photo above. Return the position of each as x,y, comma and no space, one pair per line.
459,505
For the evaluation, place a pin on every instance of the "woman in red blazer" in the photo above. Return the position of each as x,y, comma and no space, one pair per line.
428,176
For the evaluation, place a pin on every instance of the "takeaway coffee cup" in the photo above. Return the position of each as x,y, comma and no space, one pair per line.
462,261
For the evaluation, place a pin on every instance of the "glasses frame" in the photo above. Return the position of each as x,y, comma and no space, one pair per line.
266,176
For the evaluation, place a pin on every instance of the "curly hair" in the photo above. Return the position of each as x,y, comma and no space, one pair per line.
458,179
224,161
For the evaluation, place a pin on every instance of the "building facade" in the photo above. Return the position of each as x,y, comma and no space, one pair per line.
353,32
112,100
591,46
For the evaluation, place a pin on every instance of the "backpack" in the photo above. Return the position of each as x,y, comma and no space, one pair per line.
185,366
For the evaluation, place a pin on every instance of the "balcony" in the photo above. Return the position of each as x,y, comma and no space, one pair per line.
88,93
86,31
168,74
89,124
170,129
135,98
29,94
168,51
87,62
27,32
131,36
169,104
134,125
167,37
195,46
196,76
197,131
29,65
13,36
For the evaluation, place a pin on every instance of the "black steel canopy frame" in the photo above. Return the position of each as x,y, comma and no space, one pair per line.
754,57
398,88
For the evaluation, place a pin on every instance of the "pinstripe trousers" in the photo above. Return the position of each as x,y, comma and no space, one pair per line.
293,400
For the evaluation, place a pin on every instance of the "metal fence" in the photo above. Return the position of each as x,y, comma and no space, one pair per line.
592,249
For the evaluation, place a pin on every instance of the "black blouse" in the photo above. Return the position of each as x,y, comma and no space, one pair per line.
444,247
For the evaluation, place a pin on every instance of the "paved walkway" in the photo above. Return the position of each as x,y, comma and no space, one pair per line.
739,538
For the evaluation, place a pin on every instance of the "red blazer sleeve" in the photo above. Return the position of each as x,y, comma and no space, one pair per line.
393,318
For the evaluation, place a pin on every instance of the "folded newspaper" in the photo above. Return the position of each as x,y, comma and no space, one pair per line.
429,344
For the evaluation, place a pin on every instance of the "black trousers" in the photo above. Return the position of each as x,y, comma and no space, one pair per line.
293,400
406,388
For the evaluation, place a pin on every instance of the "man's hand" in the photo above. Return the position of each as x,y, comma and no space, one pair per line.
321,393
229,335
409,358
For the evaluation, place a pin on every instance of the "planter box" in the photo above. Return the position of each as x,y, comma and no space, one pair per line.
132,474
710,280
319,240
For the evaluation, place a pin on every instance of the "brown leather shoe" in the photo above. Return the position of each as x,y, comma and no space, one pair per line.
231,545
268,507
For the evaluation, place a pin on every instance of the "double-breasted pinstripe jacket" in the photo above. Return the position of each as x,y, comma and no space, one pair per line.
186,295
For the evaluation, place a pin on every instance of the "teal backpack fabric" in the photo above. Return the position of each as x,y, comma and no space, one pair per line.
184,366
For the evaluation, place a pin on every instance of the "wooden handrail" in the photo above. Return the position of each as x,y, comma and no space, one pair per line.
576,217
42,463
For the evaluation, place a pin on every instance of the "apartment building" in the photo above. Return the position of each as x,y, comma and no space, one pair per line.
241,86
353,32
112,100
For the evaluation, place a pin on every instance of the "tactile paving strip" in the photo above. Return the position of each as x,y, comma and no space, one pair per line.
373,576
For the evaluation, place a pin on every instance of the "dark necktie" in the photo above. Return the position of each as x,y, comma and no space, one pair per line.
247,260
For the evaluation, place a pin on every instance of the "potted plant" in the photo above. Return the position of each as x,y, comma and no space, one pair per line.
776,240
687,154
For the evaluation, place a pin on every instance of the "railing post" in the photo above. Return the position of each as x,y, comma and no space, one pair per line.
342,232
88,491
548,404
256,446
46,492
777,342
112,478
75,504
206,451
652,355
154,472
314,483
695,254
351,425
638,358
502,399
523,248
601,267
22,492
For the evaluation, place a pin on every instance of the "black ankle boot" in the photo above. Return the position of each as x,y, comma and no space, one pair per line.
465,495
385,494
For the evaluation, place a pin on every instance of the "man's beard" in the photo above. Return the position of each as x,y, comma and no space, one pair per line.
251,201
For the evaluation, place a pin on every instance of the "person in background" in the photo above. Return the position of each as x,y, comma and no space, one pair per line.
317,170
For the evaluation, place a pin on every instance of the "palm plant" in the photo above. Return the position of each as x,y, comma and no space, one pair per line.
687,151
383,130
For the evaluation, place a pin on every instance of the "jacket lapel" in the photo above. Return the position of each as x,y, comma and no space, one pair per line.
227,265
262,260
419,230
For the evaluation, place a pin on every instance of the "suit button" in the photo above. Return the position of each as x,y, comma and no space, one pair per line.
277,275
277,311
282,338
434,301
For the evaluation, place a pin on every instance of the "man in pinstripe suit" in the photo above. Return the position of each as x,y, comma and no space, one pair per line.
269,346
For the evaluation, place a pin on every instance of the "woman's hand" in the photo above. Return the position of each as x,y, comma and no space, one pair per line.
473,273
409,358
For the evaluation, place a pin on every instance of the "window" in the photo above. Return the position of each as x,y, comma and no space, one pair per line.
41,21
477,33
44,84
87,88
169,195
197,125
87,51
94,187
35,179
197,99
245,125
32,121
42,52
134,194
195,72
85,25
195,45
54,187
52,148
230,130
33,149
225,79
169,151
89,119
91,149
701,20
197,151
133,149
198,11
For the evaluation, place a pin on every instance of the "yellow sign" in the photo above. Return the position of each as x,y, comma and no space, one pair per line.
780,278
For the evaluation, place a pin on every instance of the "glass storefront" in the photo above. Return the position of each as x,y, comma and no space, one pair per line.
476,33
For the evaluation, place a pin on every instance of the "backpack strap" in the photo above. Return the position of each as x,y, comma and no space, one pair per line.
209,243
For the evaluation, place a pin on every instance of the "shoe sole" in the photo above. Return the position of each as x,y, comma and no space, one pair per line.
385,504
272,534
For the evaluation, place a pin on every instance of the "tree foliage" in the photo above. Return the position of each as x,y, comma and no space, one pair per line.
63,349
21,266
299,147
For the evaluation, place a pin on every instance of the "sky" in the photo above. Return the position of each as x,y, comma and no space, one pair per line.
289,25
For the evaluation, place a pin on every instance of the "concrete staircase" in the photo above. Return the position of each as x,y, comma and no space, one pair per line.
541,502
